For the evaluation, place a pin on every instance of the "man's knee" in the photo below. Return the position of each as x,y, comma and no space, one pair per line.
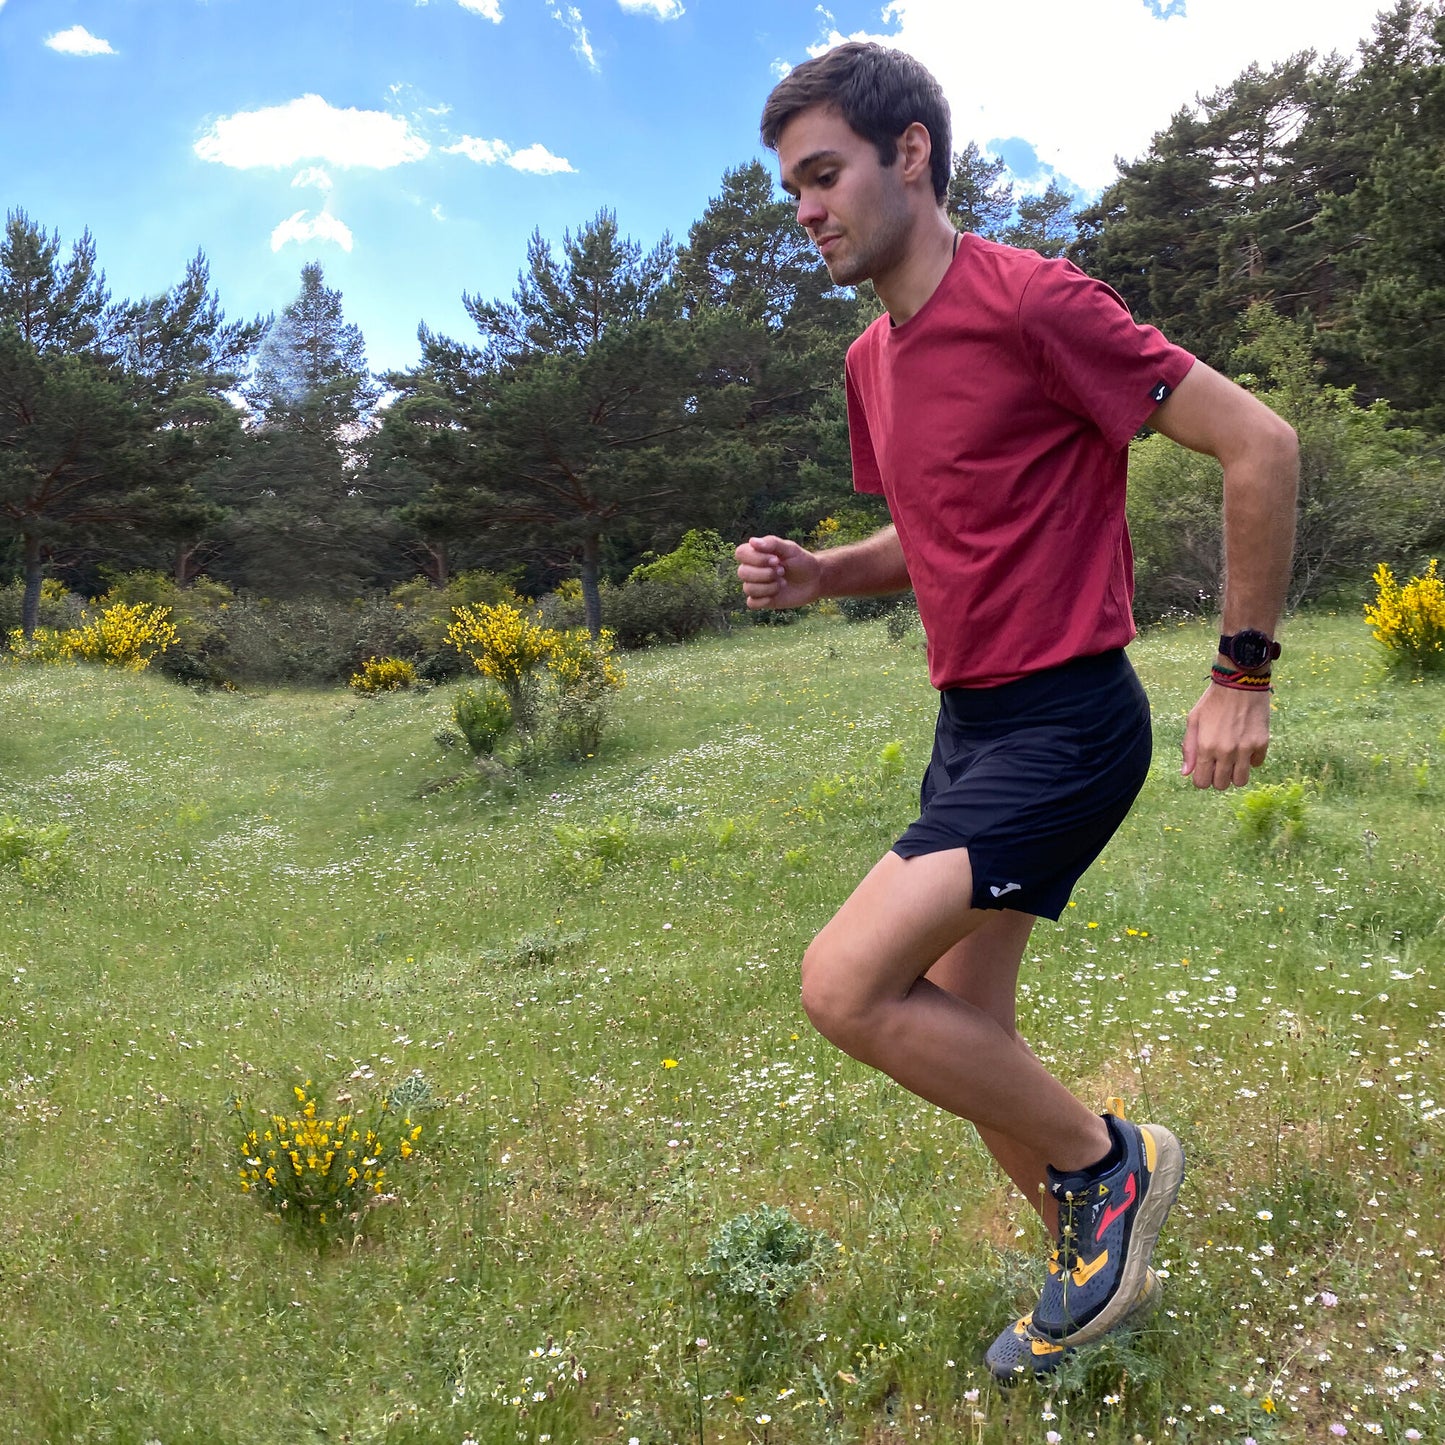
833,998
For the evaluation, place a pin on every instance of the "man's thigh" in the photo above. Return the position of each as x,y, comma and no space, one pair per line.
897,923
983,968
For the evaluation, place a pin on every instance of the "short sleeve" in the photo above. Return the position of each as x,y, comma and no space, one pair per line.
866,474
1090,355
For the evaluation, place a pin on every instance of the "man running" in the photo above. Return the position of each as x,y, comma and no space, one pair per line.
992,406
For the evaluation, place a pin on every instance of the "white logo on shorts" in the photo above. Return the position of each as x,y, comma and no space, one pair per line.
1007,888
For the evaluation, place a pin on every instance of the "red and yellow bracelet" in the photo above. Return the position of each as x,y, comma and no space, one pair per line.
1224,676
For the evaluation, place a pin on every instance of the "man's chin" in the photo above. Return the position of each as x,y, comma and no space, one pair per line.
841,273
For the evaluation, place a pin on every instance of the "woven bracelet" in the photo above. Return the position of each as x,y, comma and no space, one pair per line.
1240,681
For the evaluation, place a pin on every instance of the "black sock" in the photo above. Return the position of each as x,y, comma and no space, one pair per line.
1111,1160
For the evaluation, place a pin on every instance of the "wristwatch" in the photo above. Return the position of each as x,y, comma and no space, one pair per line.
1249,649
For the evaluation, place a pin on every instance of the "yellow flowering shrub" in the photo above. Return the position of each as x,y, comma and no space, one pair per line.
502,642
45,644
585,674
326,1171
517,653
507,646
1409,620
384,674
123,635
580,662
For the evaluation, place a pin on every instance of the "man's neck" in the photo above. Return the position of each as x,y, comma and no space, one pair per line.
905,288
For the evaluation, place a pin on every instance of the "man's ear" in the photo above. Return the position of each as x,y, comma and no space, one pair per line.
915,154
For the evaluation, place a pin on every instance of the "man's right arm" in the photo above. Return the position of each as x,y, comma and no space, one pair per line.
777,573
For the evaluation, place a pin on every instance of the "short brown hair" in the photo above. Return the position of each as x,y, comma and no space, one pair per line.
879,91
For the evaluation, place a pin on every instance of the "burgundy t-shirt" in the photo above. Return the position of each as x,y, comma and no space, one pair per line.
996,421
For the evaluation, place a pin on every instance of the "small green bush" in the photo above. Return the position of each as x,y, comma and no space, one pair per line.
37,854
483,717
1272,813
699,554
761,1260
59,609
648,611
585,854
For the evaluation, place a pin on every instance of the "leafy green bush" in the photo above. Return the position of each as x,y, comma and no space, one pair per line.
587,853
37,854
648,611
59,608
483,717
1272,813
699,554
761,1260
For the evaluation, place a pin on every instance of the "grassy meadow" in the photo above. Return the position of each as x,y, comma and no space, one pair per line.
595,969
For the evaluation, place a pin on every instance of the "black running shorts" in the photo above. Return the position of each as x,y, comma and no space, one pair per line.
1033,778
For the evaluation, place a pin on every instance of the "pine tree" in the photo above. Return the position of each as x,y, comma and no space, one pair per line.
562,429
980,194
304,518
1044,223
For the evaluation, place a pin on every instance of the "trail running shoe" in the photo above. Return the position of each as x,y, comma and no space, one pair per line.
1019,1352
1107,1229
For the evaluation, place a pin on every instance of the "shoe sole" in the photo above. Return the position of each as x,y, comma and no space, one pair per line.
1165,1178
1151,1293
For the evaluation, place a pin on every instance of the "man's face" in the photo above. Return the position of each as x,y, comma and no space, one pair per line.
852,206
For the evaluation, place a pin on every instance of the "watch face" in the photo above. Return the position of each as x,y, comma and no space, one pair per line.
1250,648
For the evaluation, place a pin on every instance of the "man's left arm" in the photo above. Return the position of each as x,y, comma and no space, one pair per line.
1228,730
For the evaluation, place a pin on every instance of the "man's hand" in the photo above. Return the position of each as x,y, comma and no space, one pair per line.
776,573
1226,735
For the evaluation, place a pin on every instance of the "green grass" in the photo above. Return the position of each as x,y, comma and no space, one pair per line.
266,889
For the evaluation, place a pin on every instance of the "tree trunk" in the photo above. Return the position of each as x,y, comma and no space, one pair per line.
34,576
591,593
437,565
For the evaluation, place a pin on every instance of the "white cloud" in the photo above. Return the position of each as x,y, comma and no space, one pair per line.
313,176
658,9
537,160
311,129
484,152
79,41
437,213
1084,93
571,17
487,9
534,159
322,227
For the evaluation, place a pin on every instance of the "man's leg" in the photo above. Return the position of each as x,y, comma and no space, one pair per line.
982,969
864,987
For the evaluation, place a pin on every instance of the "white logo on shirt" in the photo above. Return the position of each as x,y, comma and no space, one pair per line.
1007,888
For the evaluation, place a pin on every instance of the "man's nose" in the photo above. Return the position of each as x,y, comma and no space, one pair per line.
810,211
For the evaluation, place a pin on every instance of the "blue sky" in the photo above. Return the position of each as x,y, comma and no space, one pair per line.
411,146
